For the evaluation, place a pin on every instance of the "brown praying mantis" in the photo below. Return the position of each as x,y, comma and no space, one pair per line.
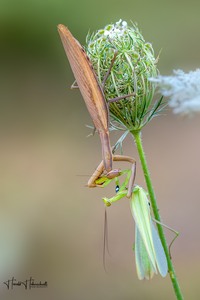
97,106
150,255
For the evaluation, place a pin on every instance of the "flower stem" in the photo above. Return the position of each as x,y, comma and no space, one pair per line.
138,142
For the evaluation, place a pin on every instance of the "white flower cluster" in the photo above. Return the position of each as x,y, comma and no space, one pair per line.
118,29
183,90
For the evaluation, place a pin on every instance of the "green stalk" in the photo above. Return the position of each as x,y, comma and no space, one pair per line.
138,142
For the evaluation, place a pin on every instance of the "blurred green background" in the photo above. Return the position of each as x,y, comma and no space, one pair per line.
51,225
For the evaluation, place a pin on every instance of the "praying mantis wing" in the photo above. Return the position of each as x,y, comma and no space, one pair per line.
90,90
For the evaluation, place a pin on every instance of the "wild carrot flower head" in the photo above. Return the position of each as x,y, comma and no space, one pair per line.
133,65
183,90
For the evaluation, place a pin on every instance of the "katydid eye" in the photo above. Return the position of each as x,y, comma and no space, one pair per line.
117,188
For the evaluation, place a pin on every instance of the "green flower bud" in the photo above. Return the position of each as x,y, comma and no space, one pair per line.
133,65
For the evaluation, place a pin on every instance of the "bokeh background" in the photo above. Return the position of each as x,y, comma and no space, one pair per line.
51,225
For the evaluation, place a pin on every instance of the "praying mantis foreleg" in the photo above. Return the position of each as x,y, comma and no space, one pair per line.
98,178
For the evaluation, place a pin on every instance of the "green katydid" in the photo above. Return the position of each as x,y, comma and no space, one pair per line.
96,104
149,253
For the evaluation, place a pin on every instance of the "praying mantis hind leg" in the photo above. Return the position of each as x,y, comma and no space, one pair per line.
98,178
171,229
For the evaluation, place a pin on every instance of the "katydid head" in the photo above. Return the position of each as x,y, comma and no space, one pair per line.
101,181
